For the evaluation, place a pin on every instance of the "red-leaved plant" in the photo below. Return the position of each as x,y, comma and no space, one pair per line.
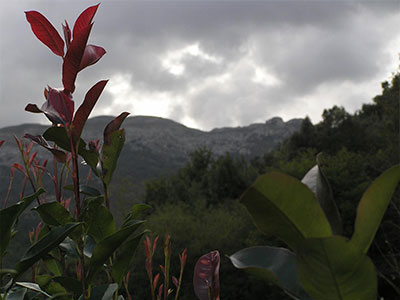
85,235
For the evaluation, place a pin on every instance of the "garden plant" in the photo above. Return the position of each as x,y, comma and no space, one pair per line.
77,251
320,263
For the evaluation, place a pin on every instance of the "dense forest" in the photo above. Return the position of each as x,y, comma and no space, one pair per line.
199,202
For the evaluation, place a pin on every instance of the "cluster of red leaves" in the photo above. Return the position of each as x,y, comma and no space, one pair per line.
59,107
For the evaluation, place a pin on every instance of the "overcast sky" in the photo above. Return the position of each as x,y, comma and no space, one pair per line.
208,64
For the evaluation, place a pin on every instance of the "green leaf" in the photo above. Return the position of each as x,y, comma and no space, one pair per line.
123,260
334,269
89,246
136,211
47,283
100,221
53,266
43,246
102,292
317,182
18,294
69,246
110,154
84,189
105,248
277,265
53,213
9,217
33,287
284,207
69,283
59,136
372,207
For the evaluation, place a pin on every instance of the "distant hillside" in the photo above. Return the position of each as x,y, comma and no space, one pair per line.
156,146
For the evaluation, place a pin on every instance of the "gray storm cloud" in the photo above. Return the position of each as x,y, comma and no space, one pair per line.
209,64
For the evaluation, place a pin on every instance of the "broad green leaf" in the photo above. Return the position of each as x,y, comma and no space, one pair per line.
334,269
9,216
372,207
43,246
110,154
123,260
17,294
105,248
100,221
33,287
277,265
102,292
284,207
59,136
317,182
53,213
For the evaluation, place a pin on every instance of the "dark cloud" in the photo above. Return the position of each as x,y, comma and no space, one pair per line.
247,61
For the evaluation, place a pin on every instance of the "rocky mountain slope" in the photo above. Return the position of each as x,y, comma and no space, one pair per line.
155,146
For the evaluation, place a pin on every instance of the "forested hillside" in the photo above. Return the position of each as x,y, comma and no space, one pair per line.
199,205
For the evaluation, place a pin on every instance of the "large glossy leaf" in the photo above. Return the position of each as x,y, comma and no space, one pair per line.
105,248
284,207
100,221
60,137
9,216
45,32
102,292
83,112
372,207
277,265
71,284
334,269
317,182
123,259
110,154
53,213
206,276
43,246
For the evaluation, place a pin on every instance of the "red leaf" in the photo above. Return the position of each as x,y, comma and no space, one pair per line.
1,143
84,19
206,276
67,34
175,281
33,108
73,58
45,32
84,110
113,126
62,104
40,140
19,168
91,55
155,280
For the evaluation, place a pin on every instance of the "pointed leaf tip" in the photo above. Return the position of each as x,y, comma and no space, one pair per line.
84,19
